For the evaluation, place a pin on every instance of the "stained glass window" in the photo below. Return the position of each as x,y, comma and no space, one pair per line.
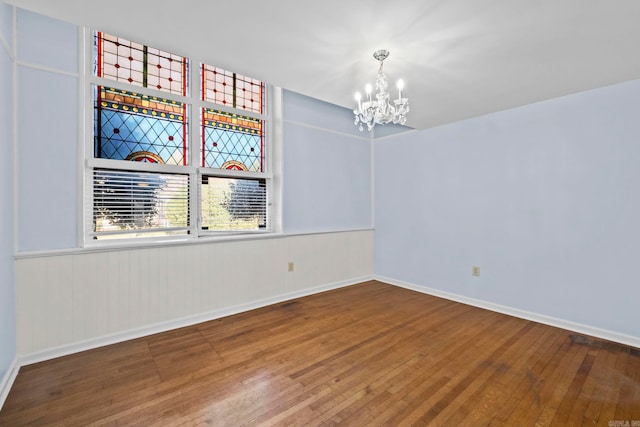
231,89
129,62
132,126
231,141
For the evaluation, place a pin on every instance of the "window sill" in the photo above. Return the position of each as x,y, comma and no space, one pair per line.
106,246
115,245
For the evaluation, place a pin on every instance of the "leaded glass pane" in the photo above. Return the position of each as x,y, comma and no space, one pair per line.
232,89
131,126
129,62
232,141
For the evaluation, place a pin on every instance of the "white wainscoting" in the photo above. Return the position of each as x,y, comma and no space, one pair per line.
69,302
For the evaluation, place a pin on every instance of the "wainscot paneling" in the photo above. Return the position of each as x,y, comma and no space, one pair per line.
72,301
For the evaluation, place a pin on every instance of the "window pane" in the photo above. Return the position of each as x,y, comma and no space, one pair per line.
133,202
131,126
231,89
232,141
230,204
128,62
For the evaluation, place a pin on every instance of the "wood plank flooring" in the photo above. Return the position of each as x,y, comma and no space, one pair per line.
366,355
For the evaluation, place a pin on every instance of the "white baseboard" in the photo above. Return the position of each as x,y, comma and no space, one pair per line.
536,317
64,350
7,381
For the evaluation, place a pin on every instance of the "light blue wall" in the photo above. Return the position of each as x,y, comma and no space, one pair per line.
544,198
318,137
47,133
6,24
7,278
327,168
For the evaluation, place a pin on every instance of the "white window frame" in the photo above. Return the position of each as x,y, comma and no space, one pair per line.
272,173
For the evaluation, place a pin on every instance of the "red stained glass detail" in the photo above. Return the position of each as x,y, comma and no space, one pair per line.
139,65
145,157
231,139
137,127
226,88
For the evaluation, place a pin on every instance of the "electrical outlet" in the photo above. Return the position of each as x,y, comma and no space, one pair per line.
475,270
290,267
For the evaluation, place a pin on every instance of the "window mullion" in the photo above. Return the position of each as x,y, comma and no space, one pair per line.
195,130
137,89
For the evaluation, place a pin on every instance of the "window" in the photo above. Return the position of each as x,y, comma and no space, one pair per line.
170,159
233,204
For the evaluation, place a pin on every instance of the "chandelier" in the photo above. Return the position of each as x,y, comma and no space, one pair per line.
380,110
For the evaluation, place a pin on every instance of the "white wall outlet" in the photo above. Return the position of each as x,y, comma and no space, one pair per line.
475,270
290,267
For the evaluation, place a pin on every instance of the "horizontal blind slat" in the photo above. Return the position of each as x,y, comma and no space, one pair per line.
142,201
233,204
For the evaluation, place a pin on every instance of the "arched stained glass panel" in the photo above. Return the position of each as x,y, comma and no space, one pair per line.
232,141
131,126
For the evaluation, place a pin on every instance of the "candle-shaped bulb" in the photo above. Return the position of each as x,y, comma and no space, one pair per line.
359,99
367,88
400,85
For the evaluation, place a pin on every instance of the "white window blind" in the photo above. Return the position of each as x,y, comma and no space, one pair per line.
233,204
132,202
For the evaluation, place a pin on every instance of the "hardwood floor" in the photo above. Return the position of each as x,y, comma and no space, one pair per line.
366,355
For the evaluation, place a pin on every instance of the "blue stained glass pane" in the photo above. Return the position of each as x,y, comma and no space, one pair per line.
225,147
139,128
232,141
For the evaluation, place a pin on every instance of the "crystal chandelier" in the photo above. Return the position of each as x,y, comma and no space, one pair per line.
381,110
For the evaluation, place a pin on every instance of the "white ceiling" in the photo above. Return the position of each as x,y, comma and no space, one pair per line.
458,58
